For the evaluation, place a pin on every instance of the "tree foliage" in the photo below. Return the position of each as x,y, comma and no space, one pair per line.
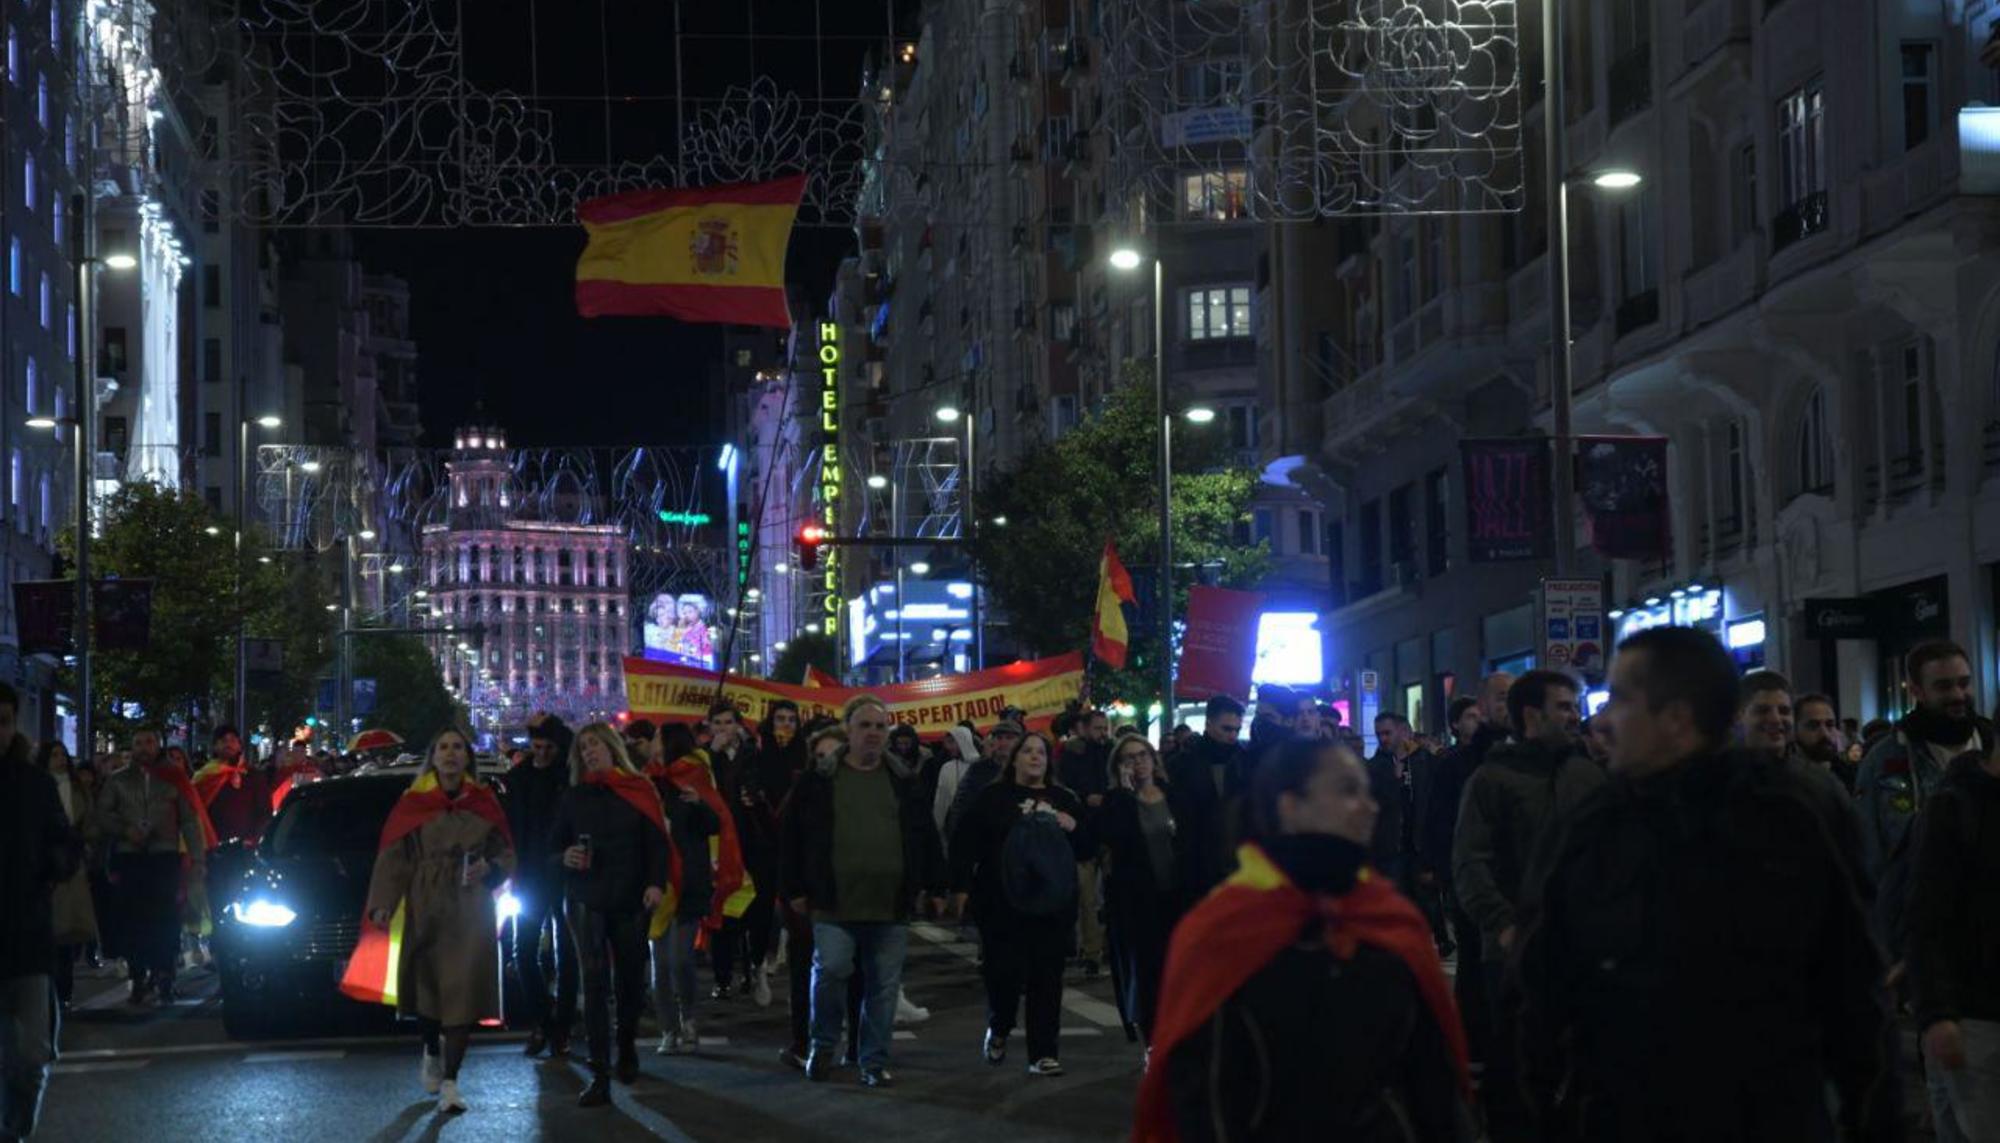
188,669
410,697
1100,482
805,651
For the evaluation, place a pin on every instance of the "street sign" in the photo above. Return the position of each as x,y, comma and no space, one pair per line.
1371,682
1573,634
264,656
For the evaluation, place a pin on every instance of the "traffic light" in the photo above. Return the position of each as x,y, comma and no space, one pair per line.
811,536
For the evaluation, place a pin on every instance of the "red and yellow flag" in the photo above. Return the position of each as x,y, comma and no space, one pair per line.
701,254
1109,635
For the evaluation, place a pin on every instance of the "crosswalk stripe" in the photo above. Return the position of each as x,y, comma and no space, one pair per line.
99,1066
1075,1031
293,1057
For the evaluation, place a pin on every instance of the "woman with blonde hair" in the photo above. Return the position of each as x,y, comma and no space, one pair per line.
610,838
445,850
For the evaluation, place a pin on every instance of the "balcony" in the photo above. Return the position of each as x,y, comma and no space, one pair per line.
1020,68
1076,152
1631,83
1018,238
1802,219
1021,151
1024,319
1638,311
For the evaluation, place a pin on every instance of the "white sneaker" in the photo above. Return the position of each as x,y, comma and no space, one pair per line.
432,1074
449,1101
760,986
908,1013
670,1042
1046,1066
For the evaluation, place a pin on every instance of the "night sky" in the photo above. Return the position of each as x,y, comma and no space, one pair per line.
493,312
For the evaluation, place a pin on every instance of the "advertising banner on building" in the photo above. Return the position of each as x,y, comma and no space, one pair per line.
1219,647
1506,498
1622,482
121,614
669,692
1573,632
45,615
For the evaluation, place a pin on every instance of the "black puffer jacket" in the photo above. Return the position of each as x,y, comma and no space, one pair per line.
1955,905
1697,966
806,865
38,850
1317,1047
532,796
628,855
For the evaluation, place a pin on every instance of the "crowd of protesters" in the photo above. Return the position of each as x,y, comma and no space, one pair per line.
1703,913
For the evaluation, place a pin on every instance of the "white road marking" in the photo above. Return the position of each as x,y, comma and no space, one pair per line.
1069,1032
293,1057
481,1042
1089,1007
100,1066
905,1034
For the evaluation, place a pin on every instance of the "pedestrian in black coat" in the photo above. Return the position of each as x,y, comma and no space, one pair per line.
1151,878
1955,945
1693,961
1212,773
534,788
1026,939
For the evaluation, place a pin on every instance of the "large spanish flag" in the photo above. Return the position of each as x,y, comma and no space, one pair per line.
1109,634
703,254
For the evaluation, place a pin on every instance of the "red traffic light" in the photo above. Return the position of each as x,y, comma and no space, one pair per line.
811,536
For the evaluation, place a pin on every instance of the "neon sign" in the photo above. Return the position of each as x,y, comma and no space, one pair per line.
691,519
829,471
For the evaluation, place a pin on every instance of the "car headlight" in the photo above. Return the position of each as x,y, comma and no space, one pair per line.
508,907
262,914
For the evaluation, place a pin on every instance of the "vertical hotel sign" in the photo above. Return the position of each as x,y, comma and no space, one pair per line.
829,475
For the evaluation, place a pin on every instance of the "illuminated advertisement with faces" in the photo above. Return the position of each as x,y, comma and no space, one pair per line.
1290,649
680,628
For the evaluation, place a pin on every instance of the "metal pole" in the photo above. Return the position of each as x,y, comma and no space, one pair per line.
85,243
1166,503
896,523
1560,379
343,702
969,527
242,618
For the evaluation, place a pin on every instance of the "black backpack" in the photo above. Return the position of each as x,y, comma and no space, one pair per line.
1038,867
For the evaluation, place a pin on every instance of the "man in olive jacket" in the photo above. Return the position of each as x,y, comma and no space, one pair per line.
1507,806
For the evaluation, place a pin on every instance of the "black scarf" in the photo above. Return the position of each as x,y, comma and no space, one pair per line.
1926,725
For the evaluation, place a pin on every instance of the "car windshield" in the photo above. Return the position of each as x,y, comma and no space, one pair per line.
338,817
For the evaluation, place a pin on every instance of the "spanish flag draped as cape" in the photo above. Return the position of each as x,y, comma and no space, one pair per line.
209,780
371,972
733,888
642,795
700,254
176,777
1248,920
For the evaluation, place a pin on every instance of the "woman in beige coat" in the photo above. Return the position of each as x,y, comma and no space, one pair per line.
445,849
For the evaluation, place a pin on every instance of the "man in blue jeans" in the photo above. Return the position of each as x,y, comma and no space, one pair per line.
40,850
860,855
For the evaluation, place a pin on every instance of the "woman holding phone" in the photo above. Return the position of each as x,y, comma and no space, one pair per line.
610,841
445,850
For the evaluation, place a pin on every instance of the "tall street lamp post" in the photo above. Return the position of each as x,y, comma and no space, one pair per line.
268,421
1128,259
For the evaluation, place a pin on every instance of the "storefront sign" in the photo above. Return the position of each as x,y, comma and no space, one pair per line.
1573,626
1701,609
1841,618
1506,499
829,475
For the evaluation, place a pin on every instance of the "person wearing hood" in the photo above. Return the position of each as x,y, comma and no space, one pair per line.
961,754
1508,804
979,775
1955,948
1692,963
1303,999
1904,768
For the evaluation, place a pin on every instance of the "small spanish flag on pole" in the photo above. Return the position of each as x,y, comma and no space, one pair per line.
1109,634
704,254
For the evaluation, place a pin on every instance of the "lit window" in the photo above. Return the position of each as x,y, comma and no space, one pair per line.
1216,196
48,304
14,265
1218,312
28,182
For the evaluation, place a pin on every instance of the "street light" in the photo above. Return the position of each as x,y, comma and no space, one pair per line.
948,414
920,568
213,530
365,534
1128,258
781,569
1616,179
396,569
43,423
120,262
1199,415
243,421
878,482
999,521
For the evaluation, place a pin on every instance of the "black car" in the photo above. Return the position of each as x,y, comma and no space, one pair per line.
289,915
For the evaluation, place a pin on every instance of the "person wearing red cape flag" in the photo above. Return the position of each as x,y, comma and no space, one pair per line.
151,817
430,944
1303,998
1110,635
618,865
236,795
733,890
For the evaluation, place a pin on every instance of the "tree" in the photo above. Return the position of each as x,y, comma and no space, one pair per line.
805,651
187,671
410,697
1100,482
